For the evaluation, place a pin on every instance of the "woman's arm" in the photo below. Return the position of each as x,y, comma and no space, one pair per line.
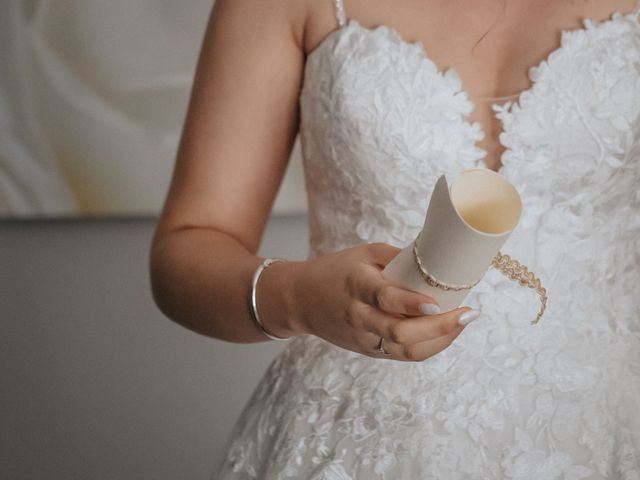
238,136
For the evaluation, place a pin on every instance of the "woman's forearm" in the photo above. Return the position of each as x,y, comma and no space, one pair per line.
201,279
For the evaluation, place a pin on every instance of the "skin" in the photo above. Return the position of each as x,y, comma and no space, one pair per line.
238,135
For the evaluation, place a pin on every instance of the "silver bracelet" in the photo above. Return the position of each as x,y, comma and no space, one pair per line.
252,298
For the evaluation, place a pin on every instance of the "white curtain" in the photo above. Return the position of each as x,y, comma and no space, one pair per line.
92,98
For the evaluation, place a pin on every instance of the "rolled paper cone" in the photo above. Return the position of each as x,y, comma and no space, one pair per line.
465,227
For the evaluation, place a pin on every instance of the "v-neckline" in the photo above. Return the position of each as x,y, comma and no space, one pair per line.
587,23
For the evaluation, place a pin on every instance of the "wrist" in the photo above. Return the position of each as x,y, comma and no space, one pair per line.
276,301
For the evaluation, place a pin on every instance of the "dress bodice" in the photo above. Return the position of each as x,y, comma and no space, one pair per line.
380,123
505,400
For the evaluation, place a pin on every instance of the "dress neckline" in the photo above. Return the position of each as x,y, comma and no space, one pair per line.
587,24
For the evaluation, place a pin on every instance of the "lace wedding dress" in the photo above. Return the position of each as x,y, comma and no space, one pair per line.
506,400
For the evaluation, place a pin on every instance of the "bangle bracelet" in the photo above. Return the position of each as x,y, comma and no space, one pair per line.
252,298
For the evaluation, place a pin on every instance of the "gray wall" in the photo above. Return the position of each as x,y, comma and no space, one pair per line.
96,382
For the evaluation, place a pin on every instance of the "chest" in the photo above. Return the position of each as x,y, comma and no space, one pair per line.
380,121
387,92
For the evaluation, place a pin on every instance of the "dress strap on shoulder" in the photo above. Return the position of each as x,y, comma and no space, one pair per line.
341,16
636,9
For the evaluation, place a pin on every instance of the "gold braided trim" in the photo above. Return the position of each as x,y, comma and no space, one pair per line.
518,272
503,262
433,281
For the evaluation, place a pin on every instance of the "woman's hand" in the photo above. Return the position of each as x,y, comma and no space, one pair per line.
343,298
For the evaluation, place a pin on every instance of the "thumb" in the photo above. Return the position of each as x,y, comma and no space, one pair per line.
382,253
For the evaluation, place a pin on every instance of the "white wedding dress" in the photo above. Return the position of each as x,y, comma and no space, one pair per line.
506,400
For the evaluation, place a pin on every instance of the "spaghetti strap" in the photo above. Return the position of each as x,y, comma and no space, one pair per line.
636,9
340,15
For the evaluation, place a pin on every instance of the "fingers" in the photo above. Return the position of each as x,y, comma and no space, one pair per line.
419,352
411,353
371,287
410,330
374,320
401,301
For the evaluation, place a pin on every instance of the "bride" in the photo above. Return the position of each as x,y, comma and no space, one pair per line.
376,382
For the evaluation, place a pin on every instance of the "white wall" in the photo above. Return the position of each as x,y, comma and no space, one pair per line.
96,382
92,101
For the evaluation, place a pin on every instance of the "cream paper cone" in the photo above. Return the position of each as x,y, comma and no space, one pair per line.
465,227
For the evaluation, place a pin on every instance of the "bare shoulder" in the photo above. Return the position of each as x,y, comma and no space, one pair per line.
253,19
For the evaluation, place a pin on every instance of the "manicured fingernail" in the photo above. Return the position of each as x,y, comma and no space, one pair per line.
468,317
429,308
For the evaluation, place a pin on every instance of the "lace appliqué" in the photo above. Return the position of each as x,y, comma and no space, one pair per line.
379,125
